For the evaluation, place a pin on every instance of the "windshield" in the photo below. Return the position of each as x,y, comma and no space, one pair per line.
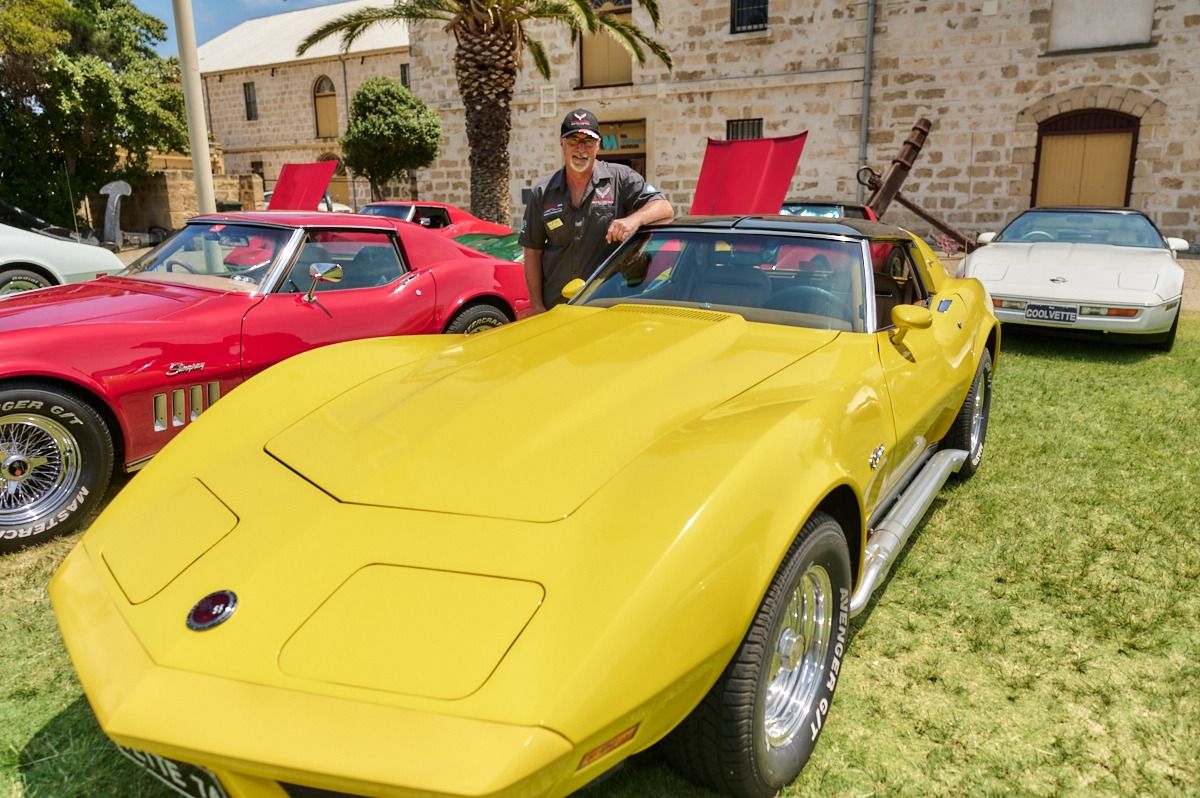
219,255
822,210
401,212
801,281
1083,227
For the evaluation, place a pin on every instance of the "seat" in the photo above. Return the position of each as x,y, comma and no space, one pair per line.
298,279
733,284
887,296
372,266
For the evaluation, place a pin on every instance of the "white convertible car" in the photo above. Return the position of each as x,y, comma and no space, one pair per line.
35,260
1103,270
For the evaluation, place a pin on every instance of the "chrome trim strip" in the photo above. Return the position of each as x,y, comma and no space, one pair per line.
137,465
283,262
888,539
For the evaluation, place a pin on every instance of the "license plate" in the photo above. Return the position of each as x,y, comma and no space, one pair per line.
1063,314
192,781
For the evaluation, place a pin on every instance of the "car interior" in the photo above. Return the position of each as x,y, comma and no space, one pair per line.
368,260
809,282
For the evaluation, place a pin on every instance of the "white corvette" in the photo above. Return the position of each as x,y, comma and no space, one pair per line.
35,260
1105,270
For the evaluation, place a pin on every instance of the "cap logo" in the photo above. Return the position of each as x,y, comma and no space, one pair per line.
580,117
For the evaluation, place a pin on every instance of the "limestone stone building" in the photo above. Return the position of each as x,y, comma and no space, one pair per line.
267,107
1033,101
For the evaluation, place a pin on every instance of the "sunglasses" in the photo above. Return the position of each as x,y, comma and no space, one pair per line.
587,141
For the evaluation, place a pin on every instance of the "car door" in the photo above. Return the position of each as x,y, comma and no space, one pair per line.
377,295
923,369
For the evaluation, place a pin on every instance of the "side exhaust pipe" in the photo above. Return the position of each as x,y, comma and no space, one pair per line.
888,538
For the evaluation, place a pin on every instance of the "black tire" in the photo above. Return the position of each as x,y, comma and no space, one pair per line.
56,460
476,318
13,281
742,739
969,430
1167,342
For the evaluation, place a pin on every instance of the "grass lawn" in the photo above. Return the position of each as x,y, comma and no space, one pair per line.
1040,635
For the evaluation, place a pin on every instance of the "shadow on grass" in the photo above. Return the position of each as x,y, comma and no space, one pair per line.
70,757
1054,344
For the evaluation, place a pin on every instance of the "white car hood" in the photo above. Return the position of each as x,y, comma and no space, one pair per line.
1100,273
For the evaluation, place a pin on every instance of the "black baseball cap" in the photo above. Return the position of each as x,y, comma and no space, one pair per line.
581,120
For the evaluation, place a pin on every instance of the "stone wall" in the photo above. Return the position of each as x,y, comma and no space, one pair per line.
980,69
285,131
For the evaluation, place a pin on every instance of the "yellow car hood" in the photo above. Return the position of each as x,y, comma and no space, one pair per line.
529,432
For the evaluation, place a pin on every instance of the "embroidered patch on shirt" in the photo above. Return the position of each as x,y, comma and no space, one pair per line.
554,224
551,210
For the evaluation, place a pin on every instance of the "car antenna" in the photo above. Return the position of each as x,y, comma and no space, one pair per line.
71,199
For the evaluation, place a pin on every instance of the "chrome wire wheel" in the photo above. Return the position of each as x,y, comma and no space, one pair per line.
19,284
979,411
797,666
39,467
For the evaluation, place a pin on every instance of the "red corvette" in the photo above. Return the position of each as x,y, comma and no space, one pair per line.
101,375
448,220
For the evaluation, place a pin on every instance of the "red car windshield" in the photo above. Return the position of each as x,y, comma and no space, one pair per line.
229,256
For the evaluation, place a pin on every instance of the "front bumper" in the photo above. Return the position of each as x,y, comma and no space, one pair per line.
1149,319
255,737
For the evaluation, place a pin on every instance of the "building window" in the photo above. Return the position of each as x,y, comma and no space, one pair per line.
256,167
1077,25
404,76
746,15
325,107
251,101
602,59
743,129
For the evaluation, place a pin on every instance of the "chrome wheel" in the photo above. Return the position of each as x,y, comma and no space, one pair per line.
39,467
798,656
979,411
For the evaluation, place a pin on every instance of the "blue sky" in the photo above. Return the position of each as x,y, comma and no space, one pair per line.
214,17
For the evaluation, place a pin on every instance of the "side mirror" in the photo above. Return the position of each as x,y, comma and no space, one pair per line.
909,317
1178,245
322,273
985,238
572,288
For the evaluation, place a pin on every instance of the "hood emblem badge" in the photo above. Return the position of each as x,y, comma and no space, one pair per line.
1058,279
212,610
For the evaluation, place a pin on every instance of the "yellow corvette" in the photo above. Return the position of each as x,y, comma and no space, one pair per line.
500,564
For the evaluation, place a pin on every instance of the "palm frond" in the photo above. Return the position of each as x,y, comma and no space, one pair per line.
651,7
632,38
355,23
538,53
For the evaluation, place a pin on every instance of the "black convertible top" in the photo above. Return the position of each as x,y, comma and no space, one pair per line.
855,228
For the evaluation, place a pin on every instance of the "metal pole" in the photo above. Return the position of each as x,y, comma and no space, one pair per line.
193,99
864,122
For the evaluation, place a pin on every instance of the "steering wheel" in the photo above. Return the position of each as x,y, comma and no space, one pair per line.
806,299
1037,235
171,264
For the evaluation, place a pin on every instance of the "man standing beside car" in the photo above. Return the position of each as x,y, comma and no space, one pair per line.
577,216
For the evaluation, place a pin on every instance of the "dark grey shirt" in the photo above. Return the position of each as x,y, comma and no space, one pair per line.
572,239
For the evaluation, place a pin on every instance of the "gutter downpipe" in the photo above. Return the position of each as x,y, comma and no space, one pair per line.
346,91
865,117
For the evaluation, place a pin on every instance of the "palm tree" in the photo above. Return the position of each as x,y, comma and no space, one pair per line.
489,39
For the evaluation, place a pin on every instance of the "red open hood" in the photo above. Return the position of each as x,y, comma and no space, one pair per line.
301,186
746,176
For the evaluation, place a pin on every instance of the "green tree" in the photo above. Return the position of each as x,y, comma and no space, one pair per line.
77,96
490,37
390,131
